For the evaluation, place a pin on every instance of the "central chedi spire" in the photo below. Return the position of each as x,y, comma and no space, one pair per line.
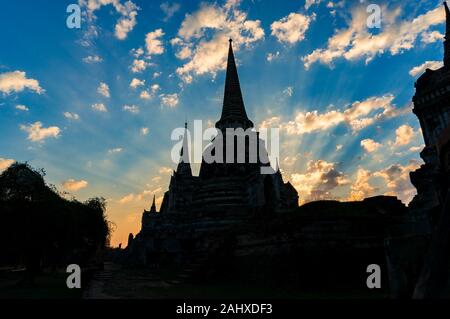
184,166
233,111
227,184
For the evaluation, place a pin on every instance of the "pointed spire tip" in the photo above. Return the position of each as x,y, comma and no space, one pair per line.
153,208
233,109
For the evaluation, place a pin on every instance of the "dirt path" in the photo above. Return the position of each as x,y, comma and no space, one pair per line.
116,283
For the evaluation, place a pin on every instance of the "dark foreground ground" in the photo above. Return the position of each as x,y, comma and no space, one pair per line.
116,283
48,285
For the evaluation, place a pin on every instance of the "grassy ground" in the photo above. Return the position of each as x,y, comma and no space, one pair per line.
237,291
145,284
115,282
47,286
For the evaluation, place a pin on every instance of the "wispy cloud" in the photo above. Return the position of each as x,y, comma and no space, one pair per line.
357,116
169,9
169,100
370,145
22,107
103,89
5,163
203,36
128,15
75,185
131,109
356,41
115,150
99,107
136,83
38,133
17,81
91,59
420,69
71,116
291,29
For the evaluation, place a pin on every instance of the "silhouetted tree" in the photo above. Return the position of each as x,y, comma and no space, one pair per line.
39,227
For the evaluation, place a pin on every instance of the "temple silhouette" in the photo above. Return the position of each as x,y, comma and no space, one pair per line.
228,186
231,214
233,222
431,205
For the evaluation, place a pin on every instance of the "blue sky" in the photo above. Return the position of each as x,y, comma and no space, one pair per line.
340,91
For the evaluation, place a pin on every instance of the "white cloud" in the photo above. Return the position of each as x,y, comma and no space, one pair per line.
203,38
22,107
370,145
431,37
136,83
115,151
289,91
145,95
153,42
155,88
309,3
165,170
139,66
17,81
156,75
131,108
416,149
99,107
404,135
358,115
433,65
38,133
170,100
71,116
319,180
356,42
103,89
362,188
273,56
291,29
74,185
274,121
90,59
169,10
128,12
5,163
398,181
127,199
144,131
144,195
396,178
137,53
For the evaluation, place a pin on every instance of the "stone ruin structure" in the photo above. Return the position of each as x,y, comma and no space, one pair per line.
432,203
235,222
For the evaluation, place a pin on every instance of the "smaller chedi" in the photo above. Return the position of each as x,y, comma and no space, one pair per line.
225,187
224,194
